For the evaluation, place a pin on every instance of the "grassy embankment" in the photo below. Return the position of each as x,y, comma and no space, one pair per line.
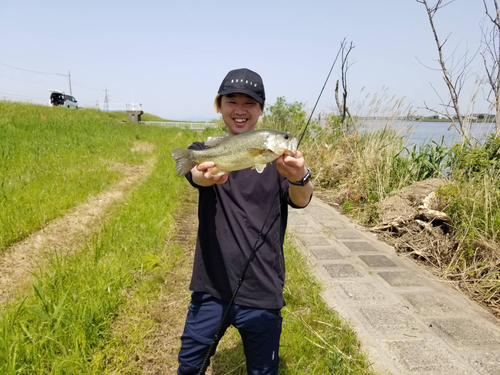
46,155
53,159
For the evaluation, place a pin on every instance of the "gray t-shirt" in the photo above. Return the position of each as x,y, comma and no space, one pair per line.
231,216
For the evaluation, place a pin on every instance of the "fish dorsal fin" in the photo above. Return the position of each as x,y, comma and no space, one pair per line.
215,140
260,167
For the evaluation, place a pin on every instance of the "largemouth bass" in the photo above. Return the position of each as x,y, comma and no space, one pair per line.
252,149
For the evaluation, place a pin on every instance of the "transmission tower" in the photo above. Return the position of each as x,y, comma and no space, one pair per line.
105,107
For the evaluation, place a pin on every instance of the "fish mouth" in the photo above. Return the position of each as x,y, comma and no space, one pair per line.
291,147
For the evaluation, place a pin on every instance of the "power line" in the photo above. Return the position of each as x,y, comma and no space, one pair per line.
46,73
28,61
50,73
28,70
22,96
85,87
25,80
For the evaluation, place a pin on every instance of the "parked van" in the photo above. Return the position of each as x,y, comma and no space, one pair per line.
59,98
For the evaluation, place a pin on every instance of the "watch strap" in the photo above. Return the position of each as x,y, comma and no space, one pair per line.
304,181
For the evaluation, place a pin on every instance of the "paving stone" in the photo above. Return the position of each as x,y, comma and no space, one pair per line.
423,357
297,221
360,246
465,332
400,279
390,318
377,261
487,363
314,240
323,216
339,271
303,229
361,292
331,223
325,253
452,345
430,304
347,234
316,209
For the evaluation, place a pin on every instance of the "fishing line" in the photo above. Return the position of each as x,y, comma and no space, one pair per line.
310,117
216,339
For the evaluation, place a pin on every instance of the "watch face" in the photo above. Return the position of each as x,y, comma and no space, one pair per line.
306,179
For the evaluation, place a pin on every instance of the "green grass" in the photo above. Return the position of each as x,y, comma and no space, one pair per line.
314,339
55,329
52,159
66,324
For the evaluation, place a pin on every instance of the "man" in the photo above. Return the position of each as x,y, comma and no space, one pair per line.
240,213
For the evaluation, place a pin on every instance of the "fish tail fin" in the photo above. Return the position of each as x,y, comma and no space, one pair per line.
183,160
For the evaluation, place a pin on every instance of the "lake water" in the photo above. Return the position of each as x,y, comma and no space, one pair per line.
427,131
419,133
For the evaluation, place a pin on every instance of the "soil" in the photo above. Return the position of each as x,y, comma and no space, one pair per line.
423,238
143,147
66,234
405,202
401,226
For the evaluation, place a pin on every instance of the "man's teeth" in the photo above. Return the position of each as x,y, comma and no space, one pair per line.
240,119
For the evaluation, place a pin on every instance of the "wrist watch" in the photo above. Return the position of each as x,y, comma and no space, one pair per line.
304,181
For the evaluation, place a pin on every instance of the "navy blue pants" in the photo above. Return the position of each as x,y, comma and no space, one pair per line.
260,331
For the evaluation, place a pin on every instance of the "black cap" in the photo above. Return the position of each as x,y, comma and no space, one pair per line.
243,81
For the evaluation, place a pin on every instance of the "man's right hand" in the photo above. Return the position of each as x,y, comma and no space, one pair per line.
202,176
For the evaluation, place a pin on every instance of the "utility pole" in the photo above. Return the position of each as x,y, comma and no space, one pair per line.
69,76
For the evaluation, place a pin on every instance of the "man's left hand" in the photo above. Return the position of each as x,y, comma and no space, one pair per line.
292,167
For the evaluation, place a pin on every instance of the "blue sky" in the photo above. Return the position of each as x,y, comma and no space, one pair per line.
172,55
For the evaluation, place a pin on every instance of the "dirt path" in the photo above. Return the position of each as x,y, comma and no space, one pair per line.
153,327
66,234
163,344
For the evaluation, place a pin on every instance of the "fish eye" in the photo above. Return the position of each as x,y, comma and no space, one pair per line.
286,136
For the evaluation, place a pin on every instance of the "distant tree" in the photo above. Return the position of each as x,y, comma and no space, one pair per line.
287,117
453,77
342,106
491,58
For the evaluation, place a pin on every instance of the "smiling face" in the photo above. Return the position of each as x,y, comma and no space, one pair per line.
239,112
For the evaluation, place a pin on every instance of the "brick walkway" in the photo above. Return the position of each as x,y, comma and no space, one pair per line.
407,321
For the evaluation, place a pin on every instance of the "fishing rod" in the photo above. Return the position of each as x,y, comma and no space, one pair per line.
321,93
217,337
